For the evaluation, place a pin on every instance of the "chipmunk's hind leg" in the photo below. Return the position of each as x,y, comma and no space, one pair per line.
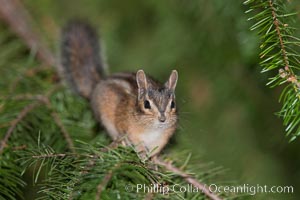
104,103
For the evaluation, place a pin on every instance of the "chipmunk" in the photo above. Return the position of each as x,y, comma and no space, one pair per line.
127,104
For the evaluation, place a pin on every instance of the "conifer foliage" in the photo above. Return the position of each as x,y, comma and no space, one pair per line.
274,20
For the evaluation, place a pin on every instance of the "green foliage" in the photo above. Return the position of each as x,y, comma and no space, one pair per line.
95,169
11,182
280,53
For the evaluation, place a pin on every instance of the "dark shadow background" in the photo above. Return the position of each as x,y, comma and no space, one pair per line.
227,112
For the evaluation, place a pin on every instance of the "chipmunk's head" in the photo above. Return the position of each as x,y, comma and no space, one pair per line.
157,103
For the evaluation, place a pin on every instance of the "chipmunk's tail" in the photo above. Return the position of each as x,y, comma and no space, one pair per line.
81,59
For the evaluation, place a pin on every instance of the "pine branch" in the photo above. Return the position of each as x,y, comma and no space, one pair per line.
15,14
28,73
188,178
44,99
59,123
10,173
280,51
276,23
96,170
103,183
14,124
49,155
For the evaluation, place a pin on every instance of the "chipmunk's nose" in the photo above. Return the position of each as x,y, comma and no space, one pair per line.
162,118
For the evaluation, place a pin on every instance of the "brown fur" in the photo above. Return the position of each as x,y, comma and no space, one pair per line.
115,103
80,57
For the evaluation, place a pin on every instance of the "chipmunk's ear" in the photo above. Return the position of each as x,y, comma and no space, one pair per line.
141,79
171,83
141,82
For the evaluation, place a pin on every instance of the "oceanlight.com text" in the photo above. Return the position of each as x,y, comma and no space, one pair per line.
214,188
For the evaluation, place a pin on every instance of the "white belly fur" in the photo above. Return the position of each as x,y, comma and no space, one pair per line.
152,138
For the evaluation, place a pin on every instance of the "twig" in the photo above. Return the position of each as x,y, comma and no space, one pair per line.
285,73
5,125
102,185
188,178
17,17
92,163
44,99
276,23
105,180
27,73
149,196
113,145
50,155
25,96
15,122
17,148
59,123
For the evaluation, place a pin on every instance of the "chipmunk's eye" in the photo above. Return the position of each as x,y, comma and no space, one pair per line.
172,104
147,104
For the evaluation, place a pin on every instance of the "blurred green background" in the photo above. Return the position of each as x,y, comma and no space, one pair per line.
226,111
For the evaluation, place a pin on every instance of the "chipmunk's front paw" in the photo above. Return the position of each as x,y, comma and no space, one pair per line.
143,152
